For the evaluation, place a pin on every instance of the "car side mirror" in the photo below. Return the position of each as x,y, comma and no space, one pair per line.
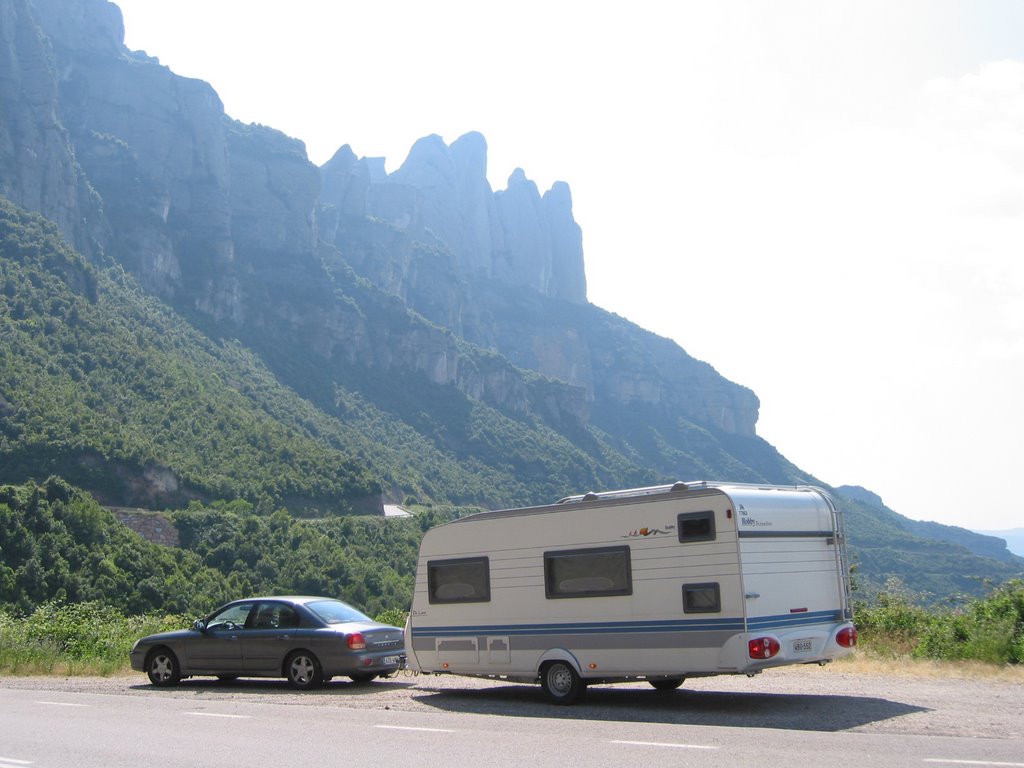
199,625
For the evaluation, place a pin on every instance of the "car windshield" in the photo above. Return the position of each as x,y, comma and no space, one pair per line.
336,612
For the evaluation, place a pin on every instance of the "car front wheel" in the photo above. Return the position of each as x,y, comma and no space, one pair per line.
162,667
303,670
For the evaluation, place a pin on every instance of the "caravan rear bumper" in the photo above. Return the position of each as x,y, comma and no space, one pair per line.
753,651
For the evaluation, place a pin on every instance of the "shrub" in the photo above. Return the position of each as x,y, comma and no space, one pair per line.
394,616
988,629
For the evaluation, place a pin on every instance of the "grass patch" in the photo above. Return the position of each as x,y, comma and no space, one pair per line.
865,663
78,639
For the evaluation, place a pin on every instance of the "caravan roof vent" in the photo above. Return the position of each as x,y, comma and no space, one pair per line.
678,487
590,496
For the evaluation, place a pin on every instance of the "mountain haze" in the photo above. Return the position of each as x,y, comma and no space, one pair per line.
191,310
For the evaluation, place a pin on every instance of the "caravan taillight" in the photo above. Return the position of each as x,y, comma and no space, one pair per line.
356,641
763,647
847,637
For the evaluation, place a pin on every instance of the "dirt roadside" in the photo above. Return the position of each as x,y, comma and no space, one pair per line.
801,698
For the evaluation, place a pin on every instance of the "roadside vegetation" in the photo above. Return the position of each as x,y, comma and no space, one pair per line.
899,626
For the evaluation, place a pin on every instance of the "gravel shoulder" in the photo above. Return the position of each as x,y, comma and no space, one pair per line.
798,698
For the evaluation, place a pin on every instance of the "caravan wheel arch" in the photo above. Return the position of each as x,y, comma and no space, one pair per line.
559,654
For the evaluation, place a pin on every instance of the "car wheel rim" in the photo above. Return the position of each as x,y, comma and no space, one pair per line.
302,670
161,668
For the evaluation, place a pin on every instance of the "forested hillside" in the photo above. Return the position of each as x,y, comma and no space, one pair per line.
112,390
59,544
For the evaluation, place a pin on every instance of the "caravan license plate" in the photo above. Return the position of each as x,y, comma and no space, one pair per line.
802,646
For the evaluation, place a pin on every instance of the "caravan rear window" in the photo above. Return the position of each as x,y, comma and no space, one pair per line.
696,526
595,572
465,580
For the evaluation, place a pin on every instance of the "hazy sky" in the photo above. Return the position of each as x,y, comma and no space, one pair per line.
823,200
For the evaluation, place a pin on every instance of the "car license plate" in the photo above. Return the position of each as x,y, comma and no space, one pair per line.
391,659
804,645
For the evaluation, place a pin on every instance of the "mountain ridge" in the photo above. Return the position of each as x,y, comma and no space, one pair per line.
427,335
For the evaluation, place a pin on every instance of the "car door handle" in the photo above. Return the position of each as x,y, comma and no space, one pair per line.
284,637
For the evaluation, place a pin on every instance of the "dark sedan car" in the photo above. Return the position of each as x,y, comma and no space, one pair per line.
308,640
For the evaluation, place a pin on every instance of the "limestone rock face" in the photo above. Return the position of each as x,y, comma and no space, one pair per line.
440,196
273,191
477,207
526,258
568,279
151,143
38,169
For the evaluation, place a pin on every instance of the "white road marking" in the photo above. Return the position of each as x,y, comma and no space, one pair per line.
946,761
218,714
410,728
61,704
5,760
662,744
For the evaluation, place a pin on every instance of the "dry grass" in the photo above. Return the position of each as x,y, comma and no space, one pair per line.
904,666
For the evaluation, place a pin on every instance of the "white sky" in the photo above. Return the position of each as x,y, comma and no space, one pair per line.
824,200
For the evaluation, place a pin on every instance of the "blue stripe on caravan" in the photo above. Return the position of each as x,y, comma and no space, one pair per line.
606,627
581,628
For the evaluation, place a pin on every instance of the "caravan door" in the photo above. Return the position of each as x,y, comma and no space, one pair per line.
792,567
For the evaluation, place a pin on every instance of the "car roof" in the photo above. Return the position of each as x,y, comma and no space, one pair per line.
296,599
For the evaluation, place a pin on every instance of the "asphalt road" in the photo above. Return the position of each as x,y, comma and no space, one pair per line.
792,718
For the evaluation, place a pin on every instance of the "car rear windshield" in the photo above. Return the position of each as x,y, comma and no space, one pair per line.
336,612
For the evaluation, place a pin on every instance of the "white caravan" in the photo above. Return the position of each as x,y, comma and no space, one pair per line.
656,584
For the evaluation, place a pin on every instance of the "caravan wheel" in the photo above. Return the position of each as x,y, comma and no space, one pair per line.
667,683
561,683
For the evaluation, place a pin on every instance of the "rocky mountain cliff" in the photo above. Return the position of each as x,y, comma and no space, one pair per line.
213,216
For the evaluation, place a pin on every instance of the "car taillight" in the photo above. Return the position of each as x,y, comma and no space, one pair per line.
356,641
847,637
763,647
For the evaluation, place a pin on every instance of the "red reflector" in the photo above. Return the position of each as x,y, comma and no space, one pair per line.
356,641
763,647
847,637
798,610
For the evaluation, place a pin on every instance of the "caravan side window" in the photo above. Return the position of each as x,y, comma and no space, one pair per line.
465,580
702,598
595,572
696,526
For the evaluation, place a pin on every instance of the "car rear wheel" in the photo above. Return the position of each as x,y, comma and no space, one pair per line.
667,683
303,670
561,683
162,667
